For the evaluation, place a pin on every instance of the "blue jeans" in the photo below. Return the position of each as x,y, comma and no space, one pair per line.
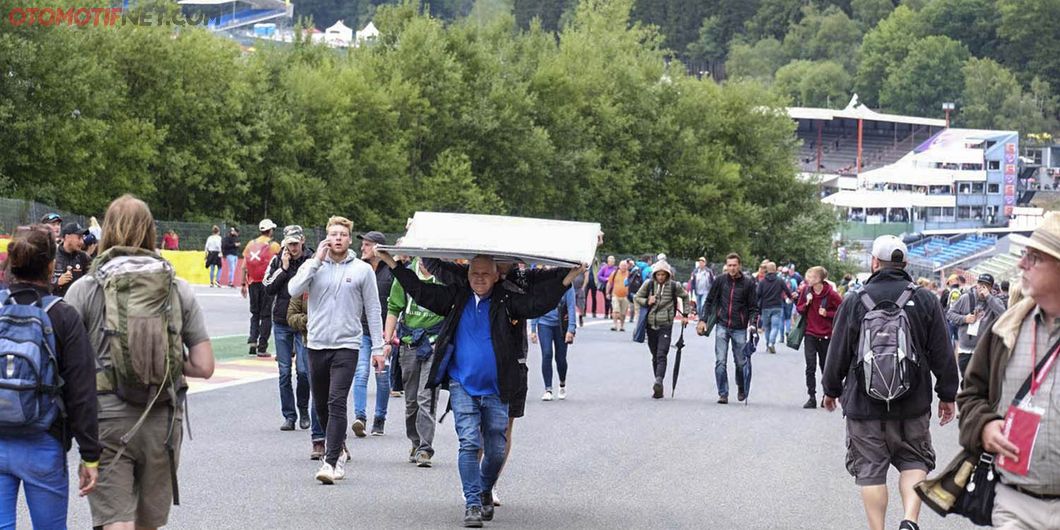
700,299
302,361
723,336
215,274
481,424
285,337
38,462
772,320
233,262
788,310
549,337
360,383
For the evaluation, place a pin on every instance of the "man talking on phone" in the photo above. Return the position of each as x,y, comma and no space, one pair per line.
973,314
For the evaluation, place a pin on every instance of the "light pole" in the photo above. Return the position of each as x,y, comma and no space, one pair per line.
947,107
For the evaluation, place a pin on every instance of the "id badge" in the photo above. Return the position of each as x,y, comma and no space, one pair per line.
1021,428
973,328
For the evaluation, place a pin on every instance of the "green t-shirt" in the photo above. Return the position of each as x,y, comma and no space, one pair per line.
416,317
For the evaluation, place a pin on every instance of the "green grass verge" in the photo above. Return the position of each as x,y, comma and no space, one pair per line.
230,348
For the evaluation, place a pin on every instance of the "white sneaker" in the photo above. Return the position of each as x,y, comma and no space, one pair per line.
326,474
563,392
496,499
547,396
340,466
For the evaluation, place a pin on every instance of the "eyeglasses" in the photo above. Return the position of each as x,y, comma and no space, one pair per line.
1033,257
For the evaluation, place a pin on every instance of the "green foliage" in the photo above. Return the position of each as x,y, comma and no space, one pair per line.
824,35
773,19
1030,38
868,13
883,48
814,83
972,22
758,61
993,97
929,76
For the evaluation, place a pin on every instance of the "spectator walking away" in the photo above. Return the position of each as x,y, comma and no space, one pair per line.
618,294
772,292
817,304
590,291
230,249
733,302
699,283
555,332
1017,358
71,262
603,275
660,296
894,335
580,288
973,314
213,256
383,280
476,357
256,258
54,222
141,411
298,320
282,268
34,443
788,275
341,288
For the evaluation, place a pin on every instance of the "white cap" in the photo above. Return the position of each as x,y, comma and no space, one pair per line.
266,224
889,248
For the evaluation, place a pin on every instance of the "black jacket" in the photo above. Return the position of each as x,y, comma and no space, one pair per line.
230,245
384,279
78,262
771,291
931,342
735,302
275,283
508,312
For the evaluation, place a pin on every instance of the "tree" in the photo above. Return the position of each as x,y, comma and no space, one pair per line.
929,76
824,35
971,22
868,13
814,83
987,87
1029,38
773,19
708,47
759,61
884,47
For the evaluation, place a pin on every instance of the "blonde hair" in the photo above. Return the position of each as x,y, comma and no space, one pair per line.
340,221
216,230
771,267
92,222
821,272
128,223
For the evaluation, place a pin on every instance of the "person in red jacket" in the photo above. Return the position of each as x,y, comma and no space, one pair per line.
818,302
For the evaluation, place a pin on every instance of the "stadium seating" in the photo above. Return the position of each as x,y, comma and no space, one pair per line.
1001,267
942,252
878,149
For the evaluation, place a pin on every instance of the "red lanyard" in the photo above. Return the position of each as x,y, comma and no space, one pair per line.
1036,379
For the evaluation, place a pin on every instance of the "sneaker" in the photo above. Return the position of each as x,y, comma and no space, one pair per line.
547,396
487,506
772,349
906,524
340,464
288,425
377,426
810,403
496,499
303,420
657,391
741,396
358,427
263,354
396,394
412,455
723,400
581,321
326,474
423,459
318,451
473,517
822,403
563,392
613,328
252,350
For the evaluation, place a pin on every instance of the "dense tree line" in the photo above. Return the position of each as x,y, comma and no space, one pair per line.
469,116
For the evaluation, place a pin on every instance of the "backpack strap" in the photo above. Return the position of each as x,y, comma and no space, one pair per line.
49,302
907,294
867,300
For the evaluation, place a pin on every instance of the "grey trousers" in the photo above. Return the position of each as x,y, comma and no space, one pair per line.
419,420
1016,511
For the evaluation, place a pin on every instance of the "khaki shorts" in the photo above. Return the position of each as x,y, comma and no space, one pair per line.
874,445
138,487
619,306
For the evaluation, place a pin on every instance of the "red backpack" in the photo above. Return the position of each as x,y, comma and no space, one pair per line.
257,257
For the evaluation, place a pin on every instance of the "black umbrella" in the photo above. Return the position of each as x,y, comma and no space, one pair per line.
677,359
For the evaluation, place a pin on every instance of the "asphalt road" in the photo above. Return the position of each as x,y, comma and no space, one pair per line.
607,457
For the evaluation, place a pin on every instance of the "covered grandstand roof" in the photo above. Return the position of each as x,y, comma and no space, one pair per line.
858,111
888,199
911,175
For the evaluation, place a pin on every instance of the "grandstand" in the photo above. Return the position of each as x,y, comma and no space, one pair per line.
225,15
937,253
1003,266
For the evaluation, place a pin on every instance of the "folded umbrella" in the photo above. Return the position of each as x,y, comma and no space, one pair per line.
677,359
749,348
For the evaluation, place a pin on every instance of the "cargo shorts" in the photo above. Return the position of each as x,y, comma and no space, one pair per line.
875,445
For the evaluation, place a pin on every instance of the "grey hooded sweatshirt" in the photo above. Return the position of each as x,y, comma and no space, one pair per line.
339,294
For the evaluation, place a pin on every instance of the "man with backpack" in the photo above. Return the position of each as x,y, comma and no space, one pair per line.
140,319
973,314
256,257
659,296
887,342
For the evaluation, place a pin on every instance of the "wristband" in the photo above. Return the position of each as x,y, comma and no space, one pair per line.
90,465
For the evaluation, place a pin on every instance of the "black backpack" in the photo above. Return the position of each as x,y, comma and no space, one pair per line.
636,279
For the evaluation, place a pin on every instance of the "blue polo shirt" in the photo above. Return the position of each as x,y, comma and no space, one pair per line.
474,364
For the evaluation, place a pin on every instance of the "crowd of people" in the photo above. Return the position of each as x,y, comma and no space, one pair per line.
885,348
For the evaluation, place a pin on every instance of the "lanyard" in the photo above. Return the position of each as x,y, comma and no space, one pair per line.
1037,379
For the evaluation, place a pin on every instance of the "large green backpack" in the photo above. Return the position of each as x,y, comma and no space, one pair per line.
142,326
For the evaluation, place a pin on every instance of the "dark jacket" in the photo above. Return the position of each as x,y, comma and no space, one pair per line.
817,325
733,301
772,291
384,278
275,283
77,368
298,315
78,262
230,245
508,312
931,342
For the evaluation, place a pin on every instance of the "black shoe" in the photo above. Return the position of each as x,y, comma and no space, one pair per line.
723,400
487,506
377,426
822,403
581,324
288,425
253,350
473,517
657,391
810,403
908,525
741,396
303,420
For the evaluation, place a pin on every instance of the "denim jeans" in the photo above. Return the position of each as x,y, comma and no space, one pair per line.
700,300
552,338
772,321
360,383
233,262
302,361
481,424
724,336
215,274
285,353
788,310
38,463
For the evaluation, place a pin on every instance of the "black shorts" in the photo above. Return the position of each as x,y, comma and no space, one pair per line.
874,445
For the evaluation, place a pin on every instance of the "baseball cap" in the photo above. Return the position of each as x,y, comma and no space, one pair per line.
889,248
73,228
51,218
374,237
292,234
266,225
986,278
